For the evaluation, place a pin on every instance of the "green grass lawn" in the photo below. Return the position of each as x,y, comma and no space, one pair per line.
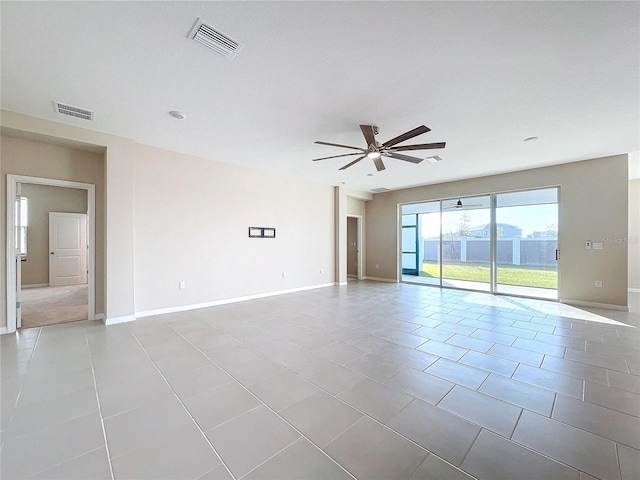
507,275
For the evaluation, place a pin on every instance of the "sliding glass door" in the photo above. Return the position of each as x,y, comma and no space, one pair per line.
466,243
499,243
526,244
421,242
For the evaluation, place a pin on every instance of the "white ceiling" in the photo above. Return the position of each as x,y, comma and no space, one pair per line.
482,75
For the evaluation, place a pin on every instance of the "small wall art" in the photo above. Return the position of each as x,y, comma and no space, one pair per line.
262,232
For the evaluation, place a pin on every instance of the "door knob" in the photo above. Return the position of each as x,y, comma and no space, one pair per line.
51,253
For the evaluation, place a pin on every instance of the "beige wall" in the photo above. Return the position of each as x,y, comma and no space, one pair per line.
191,225
171,218
43,199
21,156
634,234
593,206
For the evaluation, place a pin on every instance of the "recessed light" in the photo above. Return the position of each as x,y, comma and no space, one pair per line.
178,115
530,139
343,183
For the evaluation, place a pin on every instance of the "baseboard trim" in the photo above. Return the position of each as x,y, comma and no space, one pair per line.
195,306
634,290
99,316
116,320
605,306
35,285
341,284
3,330
379,279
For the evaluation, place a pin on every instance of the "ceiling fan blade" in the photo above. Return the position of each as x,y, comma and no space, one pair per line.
336,156
378,163
352,163
407,135
338,145
369,135
422,146
406,158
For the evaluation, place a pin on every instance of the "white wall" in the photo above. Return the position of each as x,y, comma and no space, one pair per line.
191,225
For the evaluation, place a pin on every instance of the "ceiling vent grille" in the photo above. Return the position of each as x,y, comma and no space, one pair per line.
214,40
77,112
379,190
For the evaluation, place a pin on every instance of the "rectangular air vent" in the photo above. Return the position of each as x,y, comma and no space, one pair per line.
77,112
214,40
379,190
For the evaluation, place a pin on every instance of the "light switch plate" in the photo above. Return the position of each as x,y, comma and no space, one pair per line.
597,246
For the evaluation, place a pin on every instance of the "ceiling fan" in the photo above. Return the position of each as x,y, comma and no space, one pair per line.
459,204
375,150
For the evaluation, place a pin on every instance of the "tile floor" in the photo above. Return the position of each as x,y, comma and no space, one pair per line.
371,380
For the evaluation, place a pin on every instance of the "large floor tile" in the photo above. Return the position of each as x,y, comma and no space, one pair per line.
199,380
375,366
213,407
127,430
421,385
496,458
629,462
491,363
582,450
613,398
132,394
321,417
24,456
553,381
332,377
39,415
184,454
616,426
299,461
369,450
248,440
376,399
481,409
283,390
93,465
458,373
447,435
527,396
434,468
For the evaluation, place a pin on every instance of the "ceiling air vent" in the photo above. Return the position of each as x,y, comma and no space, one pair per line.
77,112
379,190
214,40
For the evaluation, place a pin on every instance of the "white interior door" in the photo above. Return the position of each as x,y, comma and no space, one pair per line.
67,248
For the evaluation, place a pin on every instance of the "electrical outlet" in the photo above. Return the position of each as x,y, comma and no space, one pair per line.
598,283
322,270
182,285
377,266
587,244
284,274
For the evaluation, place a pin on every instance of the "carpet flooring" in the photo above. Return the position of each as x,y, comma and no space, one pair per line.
53,305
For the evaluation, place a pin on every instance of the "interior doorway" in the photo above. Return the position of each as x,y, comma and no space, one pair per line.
354,247
38,247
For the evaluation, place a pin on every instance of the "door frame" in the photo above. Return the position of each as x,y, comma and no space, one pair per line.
359,243
12,188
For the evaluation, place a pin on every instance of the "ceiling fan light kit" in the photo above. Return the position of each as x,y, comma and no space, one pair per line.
375,150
